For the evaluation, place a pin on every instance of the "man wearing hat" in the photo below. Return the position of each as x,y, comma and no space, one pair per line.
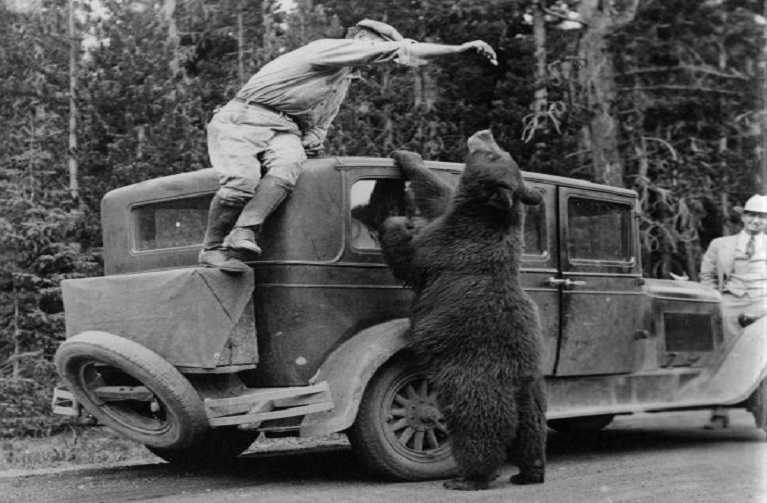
282,114
737,267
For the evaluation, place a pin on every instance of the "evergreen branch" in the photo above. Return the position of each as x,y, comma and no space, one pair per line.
562,16
668,87
690,68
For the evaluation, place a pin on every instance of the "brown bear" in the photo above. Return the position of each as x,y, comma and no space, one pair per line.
474,331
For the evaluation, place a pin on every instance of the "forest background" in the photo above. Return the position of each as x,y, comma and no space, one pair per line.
666,97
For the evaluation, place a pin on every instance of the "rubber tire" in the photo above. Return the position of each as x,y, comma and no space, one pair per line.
181,420
756,404
373,442
218,448
580,425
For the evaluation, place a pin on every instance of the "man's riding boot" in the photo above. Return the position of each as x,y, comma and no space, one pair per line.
269,194
221,217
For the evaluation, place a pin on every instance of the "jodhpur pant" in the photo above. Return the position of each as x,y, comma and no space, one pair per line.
248,141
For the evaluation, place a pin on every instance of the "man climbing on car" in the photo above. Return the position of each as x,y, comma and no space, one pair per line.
280,116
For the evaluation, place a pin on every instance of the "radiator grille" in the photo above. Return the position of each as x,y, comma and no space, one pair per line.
688,332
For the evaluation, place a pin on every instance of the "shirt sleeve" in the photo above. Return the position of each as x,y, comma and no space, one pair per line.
350,52
708,272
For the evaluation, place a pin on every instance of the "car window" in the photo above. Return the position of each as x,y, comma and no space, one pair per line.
598,230
170,224
372,202
535,230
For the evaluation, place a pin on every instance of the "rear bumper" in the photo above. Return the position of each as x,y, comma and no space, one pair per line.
249,408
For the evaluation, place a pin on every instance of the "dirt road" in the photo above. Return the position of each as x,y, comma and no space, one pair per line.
664,458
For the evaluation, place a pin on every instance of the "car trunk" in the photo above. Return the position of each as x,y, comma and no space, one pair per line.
195,318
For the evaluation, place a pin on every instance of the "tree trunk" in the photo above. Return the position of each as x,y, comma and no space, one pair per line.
169,11
16,372
599,136
539,34
763,174
240,45
74,188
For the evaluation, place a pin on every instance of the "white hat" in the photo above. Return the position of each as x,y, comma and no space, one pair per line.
756,204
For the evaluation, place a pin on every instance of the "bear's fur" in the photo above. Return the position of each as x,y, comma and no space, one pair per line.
474,330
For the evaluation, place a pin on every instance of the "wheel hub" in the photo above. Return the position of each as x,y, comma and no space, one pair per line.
422,415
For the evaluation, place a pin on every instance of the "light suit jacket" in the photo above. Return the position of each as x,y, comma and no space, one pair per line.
718,262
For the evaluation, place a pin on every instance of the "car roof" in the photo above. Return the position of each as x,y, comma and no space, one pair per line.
205,180
351,163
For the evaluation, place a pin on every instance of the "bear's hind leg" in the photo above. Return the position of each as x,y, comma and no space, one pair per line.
529,447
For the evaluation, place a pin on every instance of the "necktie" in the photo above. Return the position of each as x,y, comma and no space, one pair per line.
750,247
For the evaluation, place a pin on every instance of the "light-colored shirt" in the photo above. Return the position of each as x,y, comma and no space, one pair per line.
310,83
749,274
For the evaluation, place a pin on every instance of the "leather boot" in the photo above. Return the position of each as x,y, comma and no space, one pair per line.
221,217
269,194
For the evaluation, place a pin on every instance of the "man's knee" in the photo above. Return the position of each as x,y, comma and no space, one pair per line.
233,198
287,174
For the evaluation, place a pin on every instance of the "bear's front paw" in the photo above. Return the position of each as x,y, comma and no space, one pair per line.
529,476
405,158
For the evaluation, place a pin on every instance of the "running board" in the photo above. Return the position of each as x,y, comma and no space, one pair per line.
254,406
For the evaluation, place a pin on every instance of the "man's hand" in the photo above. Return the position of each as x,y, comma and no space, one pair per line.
315,151
483,48
313,147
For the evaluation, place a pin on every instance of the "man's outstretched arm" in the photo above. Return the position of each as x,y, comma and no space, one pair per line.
428,51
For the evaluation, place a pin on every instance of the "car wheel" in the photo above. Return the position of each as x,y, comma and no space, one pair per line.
580,425
132,390
757,405
217,449
399,433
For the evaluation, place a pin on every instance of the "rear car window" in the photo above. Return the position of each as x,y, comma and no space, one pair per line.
170,224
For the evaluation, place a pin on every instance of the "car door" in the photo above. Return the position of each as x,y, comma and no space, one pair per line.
600,282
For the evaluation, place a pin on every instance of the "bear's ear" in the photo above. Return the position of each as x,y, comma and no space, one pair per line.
530,196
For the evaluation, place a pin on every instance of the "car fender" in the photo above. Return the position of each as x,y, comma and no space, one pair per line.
347,372
744,366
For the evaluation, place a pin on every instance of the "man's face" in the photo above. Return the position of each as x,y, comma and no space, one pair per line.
754,223
364,34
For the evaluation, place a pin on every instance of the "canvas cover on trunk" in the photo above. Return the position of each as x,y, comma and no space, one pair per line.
191,317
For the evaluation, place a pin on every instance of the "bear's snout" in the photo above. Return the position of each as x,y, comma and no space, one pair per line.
483,141
484,144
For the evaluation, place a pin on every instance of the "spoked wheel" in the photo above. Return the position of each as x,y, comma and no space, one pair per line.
400,433
132,390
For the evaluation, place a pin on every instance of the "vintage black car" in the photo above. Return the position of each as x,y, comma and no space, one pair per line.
194,362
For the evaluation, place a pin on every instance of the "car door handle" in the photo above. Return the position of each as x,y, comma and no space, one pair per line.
566,283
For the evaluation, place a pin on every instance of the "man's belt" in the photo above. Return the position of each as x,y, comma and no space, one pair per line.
263,107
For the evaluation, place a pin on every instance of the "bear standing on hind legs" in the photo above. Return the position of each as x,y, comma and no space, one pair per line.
474,331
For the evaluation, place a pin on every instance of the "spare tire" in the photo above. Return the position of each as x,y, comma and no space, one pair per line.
132,390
